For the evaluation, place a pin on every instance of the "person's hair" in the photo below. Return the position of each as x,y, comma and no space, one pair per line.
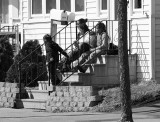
82,21
92,33
47,37
101,26
84,27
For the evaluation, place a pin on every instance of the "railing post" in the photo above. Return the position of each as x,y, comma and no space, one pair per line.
76,31
49,76
19,72
107,33
129,28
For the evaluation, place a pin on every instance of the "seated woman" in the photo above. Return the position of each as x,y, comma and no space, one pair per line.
101,49
86,40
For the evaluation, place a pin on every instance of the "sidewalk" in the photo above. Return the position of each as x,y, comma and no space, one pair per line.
142,114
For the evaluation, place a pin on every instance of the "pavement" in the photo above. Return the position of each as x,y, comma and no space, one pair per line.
150,113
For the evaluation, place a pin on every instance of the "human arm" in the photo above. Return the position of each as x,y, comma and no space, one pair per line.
62,51
102,42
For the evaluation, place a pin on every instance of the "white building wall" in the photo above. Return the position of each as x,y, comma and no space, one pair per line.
157,40
140,44
140,29
140,39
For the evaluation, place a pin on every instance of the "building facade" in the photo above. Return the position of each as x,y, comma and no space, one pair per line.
144,34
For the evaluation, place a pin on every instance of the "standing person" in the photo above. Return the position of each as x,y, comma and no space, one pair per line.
52,49
86,40
101,49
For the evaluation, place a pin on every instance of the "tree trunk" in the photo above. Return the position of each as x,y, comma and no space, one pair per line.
126,115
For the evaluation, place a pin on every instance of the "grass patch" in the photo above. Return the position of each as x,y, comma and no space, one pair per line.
140,95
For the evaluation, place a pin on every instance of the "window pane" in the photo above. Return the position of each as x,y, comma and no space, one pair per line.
36,6
138,3
104,4
79,5
50,4
4,11
65,5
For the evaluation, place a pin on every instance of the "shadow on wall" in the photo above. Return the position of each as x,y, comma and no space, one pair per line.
142,59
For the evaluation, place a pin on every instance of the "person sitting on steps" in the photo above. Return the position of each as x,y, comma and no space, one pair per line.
52,49
86,41
90,57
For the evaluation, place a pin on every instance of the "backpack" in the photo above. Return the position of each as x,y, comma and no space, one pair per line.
113,49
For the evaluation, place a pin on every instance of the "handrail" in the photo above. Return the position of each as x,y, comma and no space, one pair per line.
82,36
19,62
92,59
8,27
42,44
73,44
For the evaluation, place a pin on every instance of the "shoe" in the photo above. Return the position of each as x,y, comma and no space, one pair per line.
81,69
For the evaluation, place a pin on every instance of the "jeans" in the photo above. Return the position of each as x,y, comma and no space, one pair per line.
89,57
52,66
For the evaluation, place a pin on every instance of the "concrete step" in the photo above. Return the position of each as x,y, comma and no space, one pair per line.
70,77
37,94
31,103
78,79
44,85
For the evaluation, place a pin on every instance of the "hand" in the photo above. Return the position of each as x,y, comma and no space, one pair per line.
93,49
76,44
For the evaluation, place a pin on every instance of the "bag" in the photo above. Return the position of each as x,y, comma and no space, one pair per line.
113,49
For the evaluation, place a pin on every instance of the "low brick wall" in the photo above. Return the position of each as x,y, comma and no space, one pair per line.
106,72
8,94
73,98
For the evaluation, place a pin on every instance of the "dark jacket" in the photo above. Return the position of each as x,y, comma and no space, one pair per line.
52,50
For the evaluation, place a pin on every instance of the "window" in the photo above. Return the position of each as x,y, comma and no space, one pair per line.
103,4
79,5
137,4
50,4
65,5
4,11
42,7
36,6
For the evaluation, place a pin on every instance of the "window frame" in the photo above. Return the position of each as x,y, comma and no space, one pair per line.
36,15
136,13
138,9
57,7
104,12
101,6
74,10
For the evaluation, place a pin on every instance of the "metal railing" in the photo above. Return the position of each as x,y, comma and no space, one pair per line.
66,38
12,34
112,31
8,28
33,66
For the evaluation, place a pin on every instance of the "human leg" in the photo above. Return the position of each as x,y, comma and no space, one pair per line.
90,59
52,72
65,63
81,59
93,56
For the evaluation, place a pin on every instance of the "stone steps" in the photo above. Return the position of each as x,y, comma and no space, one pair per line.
73,98
31,103
63,97
104,73
37,94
